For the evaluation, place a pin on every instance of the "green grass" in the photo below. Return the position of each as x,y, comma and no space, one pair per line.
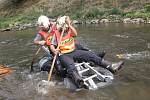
18,19
104,10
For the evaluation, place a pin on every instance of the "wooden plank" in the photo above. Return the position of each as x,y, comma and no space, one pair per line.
4,70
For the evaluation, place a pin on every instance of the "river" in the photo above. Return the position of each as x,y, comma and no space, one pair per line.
131,42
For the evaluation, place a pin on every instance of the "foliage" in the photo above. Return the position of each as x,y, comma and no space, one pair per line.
27,11
115,11
147,7
78,14
93,13
125,5
138,14
18,19
107,4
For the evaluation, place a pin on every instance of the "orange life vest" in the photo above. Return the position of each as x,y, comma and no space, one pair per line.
44,34
48,37
67,43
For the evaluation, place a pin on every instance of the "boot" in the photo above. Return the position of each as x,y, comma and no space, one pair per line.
102,54
77,79
112,67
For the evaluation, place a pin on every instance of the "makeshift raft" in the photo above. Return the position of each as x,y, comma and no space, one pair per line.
93,76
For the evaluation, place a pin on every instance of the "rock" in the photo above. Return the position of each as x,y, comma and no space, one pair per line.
117,21
127,20
6,29
76,22
148,21
11,25
88,22
28,25
96,21
21,28
16,24
104,21
138,20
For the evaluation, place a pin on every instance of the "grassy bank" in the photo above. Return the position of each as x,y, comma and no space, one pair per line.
28,11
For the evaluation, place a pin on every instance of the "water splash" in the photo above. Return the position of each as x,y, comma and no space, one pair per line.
121,36
43,87
134,56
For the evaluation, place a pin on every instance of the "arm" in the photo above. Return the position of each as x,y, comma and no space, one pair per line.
53,44
53,49
38,40
71,28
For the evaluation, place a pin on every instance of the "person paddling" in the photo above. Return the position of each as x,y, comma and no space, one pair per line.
44,36
68,53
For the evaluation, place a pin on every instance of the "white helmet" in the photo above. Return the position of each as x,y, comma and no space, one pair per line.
61,21
43,21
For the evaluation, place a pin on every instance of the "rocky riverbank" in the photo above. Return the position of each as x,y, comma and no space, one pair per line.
16,26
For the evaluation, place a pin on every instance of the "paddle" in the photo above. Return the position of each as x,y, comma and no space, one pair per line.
54,59
31,69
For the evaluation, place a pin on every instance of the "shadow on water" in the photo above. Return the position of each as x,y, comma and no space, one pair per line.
128,40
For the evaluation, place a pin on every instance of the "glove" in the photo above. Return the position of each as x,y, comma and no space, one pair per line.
56,51
42,42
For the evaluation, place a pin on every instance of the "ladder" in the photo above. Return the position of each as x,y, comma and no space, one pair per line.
89,80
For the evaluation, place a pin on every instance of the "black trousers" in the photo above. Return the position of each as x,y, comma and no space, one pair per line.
68,59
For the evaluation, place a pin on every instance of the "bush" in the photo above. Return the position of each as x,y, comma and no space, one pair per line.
138,14
94,13
107,4
125,4
77,15
115,11
147,8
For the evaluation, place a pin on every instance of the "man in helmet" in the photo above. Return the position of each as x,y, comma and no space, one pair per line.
69,54
44,30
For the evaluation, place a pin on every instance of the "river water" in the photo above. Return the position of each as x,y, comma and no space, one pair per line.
127,42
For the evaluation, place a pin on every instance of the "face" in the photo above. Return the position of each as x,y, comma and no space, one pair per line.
43,28
61,28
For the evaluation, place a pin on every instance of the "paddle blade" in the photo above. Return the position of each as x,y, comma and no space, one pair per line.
44,86
31,68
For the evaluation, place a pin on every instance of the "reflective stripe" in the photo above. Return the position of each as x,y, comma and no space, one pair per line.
67,44
48,35
49,38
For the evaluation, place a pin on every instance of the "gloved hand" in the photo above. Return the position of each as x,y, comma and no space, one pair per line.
56,51
68,21
42,42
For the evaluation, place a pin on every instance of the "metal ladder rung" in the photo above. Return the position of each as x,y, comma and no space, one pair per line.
79,64
92,84
82,71
90,77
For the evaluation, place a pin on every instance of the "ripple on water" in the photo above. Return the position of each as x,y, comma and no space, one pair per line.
148,45
134,56
121,36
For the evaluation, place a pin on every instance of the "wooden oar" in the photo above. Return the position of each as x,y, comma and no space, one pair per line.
31,69
52,66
